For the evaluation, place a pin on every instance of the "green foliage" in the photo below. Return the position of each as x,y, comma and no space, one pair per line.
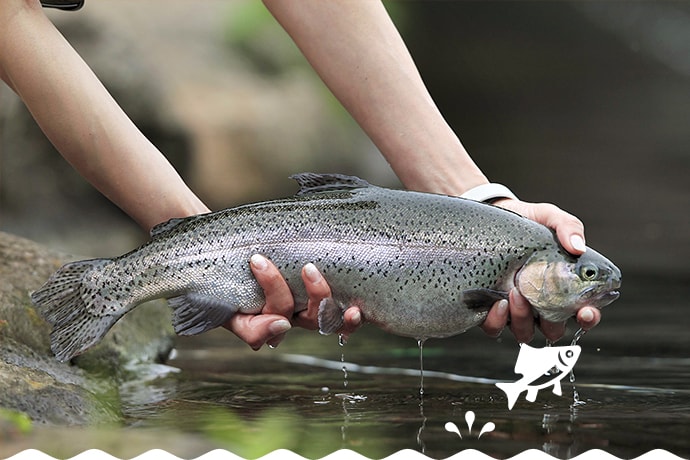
251,31
272,429
13,422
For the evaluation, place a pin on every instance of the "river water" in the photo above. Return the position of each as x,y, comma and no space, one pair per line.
313,396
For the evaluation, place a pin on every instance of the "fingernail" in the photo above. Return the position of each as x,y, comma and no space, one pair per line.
502,305
280,326
312,273
587,315
578,243
259,262
356,318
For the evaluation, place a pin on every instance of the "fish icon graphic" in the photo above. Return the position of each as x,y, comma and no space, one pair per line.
533,364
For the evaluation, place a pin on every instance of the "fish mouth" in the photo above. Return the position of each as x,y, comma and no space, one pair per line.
611,293
608,297
602,298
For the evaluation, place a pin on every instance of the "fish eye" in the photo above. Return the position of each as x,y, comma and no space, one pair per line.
589,272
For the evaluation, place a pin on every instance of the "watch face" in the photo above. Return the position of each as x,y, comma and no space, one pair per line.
63,4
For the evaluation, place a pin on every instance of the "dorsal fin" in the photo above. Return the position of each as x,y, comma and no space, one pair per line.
167,225
314,183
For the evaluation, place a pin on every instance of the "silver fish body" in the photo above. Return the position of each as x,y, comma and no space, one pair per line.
417,264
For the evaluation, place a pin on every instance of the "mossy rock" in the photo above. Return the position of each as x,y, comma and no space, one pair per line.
32,381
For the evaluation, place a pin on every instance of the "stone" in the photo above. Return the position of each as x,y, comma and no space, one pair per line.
84,390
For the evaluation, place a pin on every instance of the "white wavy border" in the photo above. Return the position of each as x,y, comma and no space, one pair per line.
344,454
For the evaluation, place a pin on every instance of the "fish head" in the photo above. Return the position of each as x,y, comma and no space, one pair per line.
558,284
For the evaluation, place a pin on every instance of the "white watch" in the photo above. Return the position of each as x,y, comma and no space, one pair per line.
488,192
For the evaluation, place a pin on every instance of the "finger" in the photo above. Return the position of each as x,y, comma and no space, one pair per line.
352,320
569,229
521,318
258,329
275,341
496,320
552,331
316,285
588,317
279,299
317,290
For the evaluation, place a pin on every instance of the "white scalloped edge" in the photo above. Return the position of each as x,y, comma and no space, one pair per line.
344,454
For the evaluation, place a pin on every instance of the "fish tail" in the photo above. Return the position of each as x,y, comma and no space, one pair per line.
75,310
512,391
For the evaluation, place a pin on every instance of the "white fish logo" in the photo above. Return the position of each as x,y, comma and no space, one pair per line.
533,363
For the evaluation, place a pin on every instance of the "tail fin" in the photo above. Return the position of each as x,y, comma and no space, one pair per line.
512,391
73,309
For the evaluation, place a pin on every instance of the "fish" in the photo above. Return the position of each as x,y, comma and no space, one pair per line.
533,363
417,264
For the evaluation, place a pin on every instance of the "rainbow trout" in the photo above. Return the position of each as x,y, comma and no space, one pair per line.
417,264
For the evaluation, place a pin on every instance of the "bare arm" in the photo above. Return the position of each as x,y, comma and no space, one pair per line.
357,51
84,122
93,133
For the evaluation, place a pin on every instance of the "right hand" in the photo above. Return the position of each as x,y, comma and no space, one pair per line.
570,232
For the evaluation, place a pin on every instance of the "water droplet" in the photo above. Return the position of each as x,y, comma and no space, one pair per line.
578,335
487,428
452,427
469,418
342,340
420,344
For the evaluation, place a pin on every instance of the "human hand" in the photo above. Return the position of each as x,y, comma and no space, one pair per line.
570,233
277,316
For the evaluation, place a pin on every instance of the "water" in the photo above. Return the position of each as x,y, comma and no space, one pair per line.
631,394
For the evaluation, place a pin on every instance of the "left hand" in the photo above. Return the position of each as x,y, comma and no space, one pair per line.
277,316
570,232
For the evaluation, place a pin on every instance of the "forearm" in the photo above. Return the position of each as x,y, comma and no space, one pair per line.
357,51
83,121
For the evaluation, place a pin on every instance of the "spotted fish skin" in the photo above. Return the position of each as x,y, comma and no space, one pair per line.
417,264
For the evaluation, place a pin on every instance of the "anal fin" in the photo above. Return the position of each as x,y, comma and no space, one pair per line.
330,316
195,313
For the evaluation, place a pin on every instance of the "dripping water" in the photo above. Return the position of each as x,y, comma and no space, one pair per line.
420,344
578,335
342,340
420,441
576,396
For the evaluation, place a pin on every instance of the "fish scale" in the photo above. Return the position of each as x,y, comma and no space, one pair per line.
417,264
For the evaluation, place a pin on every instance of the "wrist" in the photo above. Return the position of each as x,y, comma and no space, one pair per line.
487,193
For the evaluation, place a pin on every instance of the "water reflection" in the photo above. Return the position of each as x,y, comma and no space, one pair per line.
631,395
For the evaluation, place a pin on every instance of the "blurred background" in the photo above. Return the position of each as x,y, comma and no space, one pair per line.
582,104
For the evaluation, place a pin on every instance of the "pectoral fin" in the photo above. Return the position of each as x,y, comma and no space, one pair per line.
482,299
330,316
196,313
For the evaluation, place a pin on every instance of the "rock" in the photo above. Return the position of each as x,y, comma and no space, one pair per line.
32,381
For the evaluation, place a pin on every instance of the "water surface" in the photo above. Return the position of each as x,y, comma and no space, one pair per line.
632,386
